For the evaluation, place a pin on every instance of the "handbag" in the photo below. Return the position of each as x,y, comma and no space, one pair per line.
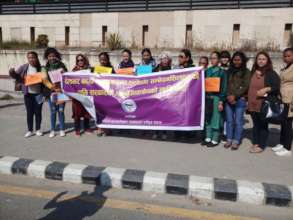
273,110
17,86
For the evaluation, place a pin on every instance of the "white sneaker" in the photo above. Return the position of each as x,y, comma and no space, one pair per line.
62,133
214,142
278,148
208,140
39,133
284,153
28,134
52,134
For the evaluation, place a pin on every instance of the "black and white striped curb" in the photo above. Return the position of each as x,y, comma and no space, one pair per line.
199,187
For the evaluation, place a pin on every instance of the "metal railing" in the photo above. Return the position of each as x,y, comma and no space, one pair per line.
78,6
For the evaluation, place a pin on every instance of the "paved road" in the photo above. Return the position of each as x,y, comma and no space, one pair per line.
27,198
140,152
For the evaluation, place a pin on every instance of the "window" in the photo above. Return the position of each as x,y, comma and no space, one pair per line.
1,39
67,32
236,34
32,30
145,30
287,34
188,36
104,35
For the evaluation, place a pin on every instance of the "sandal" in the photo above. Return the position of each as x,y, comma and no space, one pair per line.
255,150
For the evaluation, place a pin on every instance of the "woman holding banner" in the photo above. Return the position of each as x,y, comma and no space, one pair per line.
104,60
147,58
164,65
126,60
78,111
185,61
238,84
32,91
55,66
216,88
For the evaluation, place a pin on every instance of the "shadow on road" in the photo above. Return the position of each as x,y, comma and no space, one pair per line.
76,208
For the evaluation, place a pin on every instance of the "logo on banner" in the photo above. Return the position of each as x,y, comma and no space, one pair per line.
129,105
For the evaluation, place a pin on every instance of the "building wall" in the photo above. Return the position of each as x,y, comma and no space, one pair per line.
165,29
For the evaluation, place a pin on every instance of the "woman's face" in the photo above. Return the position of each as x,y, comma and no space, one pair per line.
80,61
225,61
261,60
146,56
125,57
214,59
203,62
32,59
237,61
52,58
288,57
165,62
182,59
103,60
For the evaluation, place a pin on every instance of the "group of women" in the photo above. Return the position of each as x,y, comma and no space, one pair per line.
240,90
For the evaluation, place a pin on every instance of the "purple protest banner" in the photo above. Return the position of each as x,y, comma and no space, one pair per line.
169,100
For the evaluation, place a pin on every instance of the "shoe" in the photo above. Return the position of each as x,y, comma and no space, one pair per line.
52,134
77,133
213,144
62,133
224,139
155,136
206,142
235,146
284,153
278,148
28,134
228,145
39,133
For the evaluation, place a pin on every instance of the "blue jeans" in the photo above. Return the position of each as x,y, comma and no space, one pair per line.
54,109
235,120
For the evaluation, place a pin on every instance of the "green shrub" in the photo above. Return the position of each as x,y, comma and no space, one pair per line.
114,41
42,41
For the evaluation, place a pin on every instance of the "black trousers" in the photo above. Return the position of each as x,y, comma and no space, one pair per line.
33,109
86,124
286,133
260,130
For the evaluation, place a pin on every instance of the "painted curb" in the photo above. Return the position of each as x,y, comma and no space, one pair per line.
169,183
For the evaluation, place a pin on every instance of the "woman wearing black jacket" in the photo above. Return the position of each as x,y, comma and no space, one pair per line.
265,83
